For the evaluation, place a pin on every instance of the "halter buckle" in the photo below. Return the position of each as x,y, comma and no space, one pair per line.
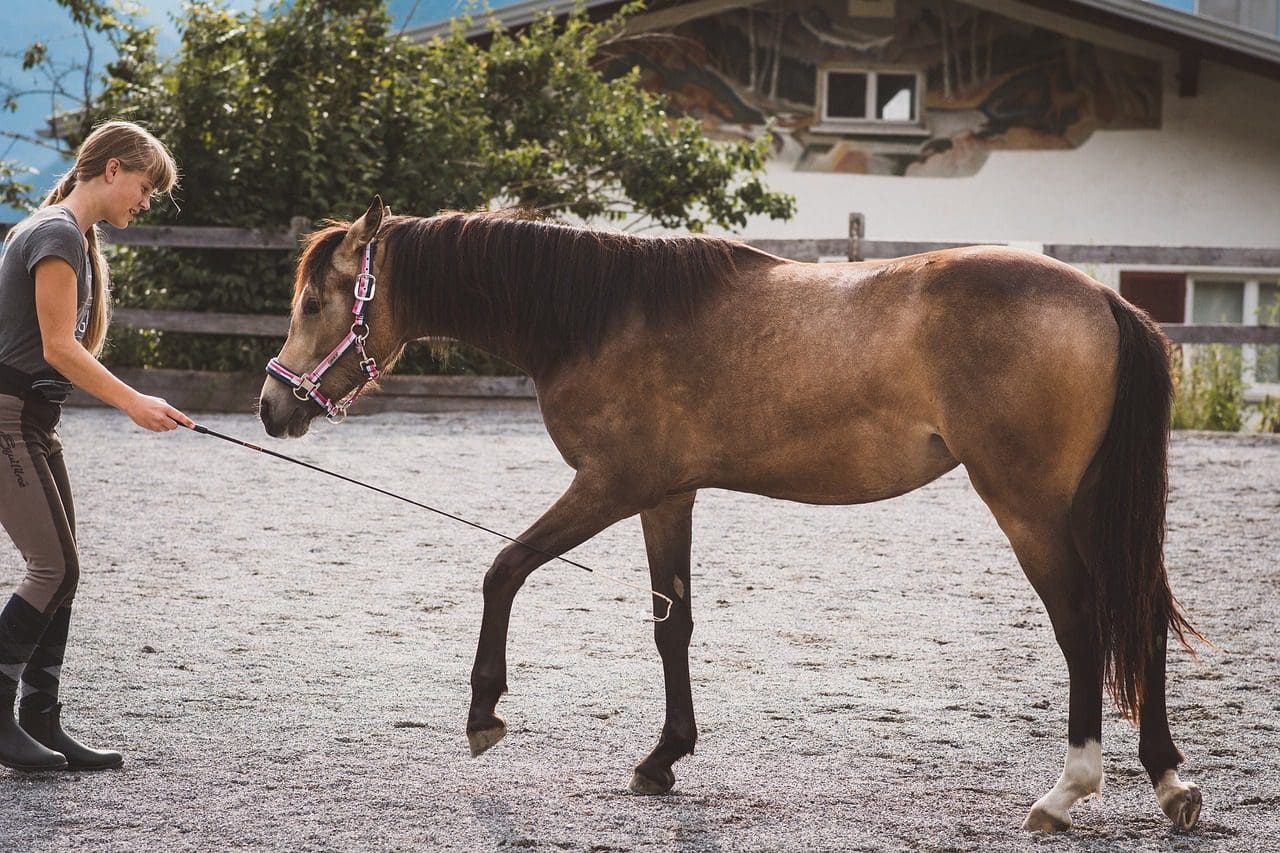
366,284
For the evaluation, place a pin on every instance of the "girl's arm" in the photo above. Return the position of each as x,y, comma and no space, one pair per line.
56,310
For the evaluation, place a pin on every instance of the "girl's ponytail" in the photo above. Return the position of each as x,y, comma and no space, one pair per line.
61,189
95,334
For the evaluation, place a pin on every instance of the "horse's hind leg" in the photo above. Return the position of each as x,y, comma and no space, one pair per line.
668,531
588,507
1039,529
1054,567
1179,800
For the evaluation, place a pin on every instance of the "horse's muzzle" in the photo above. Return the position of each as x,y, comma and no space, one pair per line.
283,416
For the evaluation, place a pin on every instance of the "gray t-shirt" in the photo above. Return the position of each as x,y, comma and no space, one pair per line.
50,232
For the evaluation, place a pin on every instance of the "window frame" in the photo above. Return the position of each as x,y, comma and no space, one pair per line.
1250,284
869,125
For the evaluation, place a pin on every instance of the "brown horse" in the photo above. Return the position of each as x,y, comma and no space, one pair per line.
667,365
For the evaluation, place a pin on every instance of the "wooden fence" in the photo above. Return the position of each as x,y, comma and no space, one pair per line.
214,391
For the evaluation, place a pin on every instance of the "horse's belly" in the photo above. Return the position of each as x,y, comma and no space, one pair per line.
839,472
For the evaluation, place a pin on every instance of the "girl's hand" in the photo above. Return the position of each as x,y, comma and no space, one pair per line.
155,414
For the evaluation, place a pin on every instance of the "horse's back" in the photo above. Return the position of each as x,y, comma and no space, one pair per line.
844,383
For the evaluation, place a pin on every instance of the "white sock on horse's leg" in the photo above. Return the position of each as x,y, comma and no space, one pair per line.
1081,777
1179,800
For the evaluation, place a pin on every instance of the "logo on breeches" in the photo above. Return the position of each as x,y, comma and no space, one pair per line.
6,447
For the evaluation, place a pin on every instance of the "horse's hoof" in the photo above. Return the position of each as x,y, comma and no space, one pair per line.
1042,820
484,738
1182,804
642,784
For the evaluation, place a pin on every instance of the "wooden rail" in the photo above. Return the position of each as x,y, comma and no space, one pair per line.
853,247
203,322
200,237
1187,333
213,391
210,391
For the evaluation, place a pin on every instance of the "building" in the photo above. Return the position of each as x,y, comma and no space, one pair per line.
1137,140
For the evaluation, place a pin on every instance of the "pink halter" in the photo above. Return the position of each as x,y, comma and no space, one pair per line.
307,386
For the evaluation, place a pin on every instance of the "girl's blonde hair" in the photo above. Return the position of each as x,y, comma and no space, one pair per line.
138,151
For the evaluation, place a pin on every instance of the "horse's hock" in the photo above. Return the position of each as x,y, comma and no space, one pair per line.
285,661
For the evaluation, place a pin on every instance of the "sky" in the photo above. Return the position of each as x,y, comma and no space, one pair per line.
45,21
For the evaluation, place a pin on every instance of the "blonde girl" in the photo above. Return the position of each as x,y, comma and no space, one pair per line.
54,309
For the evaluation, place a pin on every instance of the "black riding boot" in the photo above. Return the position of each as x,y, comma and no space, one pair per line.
46,727
18,749
20,626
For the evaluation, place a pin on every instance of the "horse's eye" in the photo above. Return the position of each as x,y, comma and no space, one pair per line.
311,306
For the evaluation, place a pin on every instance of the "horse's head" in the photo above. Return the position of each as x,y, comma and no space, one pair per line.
339,335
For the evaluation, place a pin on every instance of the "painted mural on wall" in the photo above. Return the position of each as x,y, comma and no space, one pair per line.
988,83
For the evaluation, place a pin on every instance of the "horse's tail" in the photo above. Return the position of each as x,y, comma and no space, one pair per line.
1125,548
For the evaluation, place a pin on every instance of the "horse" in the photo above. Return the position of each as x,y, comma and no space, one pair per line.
668,364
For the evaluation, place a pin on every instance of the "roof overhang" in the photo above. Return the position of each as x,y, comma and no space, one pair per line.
1138,26
1191,37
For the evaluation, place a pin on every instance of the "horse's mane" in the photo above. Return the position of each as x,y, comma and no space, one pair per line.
554,290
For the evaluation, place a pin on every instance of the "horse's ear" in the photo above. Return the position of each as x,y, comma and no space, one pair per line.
364,229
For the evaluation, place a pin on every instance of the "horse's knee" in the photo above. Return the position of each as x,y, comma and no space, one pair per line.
504,578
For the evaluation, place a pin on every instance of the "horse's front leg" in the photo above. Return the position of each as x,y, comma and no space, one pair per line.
588,507
668,532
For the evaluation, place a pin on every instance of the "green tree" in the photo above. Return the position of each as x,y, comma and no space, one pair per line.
311,106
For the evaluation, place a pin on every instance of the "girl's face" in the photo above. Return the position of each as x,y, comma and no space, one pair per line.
128,194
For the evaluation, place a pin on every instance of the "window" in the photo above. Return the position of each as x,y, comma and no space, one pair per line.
1217,302
1253,302
866,100
1268,361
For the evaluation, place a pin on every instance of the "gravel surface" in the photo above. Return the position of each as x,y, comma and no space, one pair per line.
284,659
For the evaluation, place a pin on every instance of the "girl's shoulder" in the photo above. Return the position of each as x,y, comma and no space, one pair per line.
52,225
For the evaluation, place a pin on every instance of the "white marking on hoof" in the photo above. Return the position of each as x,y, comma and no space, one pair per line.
1081,778
485,738
1179,800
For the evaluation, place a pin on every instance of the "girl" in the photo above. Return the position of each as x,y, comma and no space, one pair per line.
54,301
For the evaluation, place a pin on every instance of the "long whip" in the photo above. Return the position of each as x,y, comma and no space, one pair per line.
204,430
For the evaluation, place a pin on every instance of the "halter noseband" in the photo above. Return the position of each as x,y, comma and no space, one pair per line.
307,386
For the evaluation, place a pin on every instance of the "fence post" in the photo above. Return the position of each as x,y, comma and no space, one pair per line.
298,226
857,229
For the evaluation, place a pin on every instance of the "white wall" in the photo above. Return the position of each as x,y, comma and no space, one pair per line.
1209,177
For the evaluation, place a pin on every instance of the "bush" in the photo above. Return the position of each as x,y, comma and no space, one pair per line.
1209,394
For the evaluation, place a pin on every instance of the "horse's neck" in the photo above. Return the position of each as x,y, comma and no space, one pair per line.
490,325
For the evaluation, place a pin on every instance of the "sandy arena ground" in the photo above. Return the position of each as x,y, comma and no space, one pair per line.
284,659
